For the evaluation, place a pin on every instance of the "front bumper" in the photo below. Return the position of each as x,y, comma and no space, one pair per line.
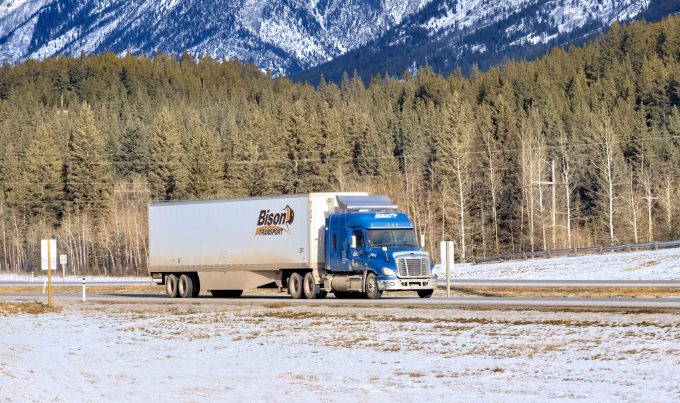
387,283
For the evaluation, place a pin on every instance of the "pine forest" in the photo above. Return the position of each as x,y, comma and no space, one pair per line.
578,148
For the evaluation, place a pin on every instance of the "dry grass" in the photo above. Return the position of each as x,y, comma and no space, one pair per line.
410,374
32,308
91,289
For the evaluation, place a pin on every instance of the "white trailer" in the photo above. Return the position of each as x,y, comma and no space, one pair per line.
227,246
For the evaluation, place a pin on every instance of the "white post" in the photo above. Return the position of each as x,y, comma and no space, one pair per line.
44,285
449,267
84,299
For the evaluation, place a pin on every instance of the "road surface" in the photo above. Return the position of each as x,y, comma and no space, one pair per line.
656,303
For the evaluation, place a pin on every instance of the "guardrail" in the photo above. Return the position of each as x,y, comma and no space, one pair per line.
578,251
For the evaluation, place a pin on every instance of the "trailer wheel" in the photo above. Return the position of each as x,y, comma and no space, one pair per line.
171,285
226,293
295,285
185,286
309,287
197,286
372,291
425,293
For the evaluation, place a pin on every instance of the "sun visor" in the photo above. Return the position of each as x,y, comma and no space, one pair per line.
365,203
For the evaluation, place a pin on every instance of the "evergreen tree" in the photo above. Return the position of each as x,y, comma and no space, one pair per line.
43,176
203,161
87,170
256,165
168,174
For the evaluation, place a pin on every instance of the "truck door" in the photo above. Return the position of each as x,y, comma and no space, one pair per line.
357,255
335,250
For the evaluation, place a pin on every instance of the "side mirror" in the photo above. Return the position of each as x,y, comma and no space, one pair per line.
422,240
384,249
354,242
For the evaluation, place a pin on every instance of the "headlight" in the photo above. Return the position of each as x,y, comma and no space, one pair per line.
388,272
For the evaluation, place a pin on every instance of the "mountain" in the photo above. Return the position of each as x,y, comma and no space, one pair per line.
311,37
451,34
283,36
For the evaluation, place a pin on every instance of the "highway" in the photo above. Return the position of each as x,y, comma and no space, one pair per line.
406,301
156,295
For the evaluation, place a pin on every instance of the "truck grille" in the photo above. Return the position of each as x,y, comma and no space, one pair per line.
413,267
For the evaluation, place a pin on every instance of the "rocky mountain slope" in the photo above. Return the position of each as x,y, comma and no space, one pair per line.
307,38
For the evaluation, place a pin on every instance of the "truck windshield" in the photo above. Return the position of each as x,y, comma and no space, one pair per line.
390,237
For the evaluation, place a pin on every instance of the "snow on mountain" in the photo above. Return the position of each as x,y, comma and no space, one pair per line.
446,34
291,36
539,21
284,36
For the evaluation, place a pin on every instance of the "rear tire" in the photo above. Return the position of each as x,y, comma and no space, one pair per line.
309,287
425,293
197,286
226,293
372,291
185,286
171,281
295,285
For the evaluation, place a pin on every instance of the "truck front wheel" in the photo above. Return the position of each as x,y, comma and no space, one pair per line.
425,293
171,285
372,291
295,285
185,286
310,288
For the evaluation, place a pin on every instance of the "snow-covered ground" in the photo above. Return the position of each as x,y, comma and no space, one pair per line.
219,352
648,265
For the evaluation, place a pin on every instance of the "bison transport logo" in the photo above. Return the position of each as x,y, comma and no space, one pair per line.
269,223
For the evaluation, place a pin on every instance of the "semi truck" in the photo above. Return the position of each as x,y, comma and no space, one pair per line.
348,244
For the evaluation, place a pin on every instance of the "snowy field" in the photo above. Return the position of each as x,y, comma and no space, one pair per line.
648,265
222,352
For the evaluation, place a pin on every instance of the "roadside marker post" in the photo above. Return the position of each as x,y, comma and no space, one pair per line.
48,254
84,298
62,262
446,259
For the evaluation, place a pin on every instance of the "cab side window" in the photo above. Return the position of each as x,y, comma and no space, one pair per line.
360,238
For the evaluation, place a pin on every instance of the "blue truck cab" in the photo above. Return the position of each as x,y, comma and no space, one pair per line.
369,239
